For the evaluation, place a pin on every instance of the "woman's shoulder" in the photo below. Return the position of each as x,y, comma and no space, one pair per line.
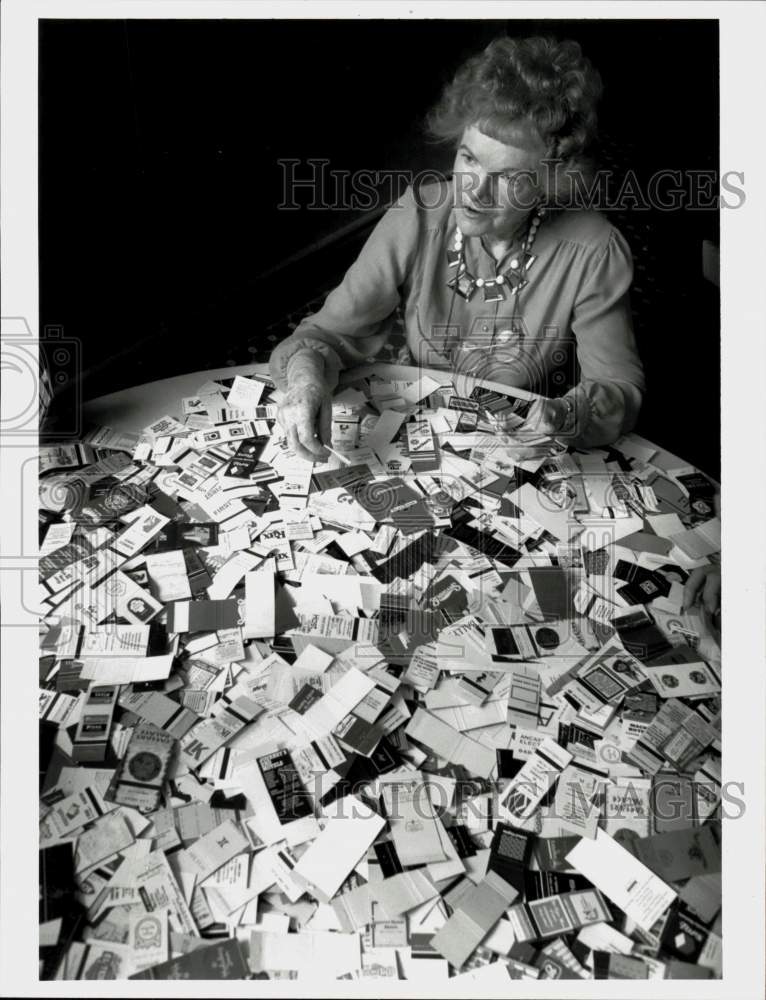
585,228
431,195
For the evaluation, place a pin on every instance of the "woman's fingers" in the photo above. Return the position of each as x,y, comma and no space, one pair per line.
523,450
298,416
530,426
541,421
306,425
533,438
547,416
325,422
295,445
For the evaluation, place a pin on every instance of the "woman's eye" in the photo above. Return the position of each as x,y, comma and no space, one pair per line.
468,158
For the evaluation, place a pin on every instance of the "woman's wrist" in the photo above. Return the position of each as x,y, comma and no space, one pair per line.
306,369
565,414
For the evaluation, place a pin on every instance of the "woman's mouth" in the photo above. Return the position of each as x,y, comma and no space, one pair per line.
473,213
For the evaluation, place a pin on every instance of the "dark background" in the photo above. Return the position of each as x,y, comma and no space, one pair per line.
161,247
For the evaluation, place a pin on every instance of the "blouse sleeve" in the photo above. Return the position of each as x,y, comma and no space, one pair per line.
608,397
347,329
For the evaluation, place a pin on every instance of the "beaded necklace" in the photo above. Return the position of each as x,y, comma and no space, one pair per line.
464,283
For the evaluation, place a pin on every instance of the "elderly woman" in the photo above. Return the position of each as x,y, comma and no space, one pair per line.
500,274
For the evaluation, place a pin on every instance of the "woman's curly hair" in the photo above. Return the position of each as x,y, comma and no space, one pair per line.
549,83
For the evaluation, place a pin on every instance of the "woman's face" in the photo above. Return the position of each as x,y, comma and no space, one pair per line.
497,185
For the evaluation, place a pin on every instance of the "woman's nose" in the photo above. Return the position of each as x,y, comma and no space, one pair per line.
484,189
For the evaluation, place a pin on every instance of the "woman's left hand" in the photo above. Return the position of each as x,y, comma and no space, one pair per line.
535,437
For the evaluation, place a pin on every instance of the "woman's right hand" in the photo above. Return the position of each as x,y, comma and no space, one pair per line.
304,413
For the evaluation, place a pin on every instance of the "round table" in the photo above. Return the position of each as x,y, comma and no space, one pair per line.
132,409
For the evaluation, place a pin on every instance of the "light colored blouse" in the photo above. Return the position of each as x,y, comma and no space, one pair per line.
571,333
